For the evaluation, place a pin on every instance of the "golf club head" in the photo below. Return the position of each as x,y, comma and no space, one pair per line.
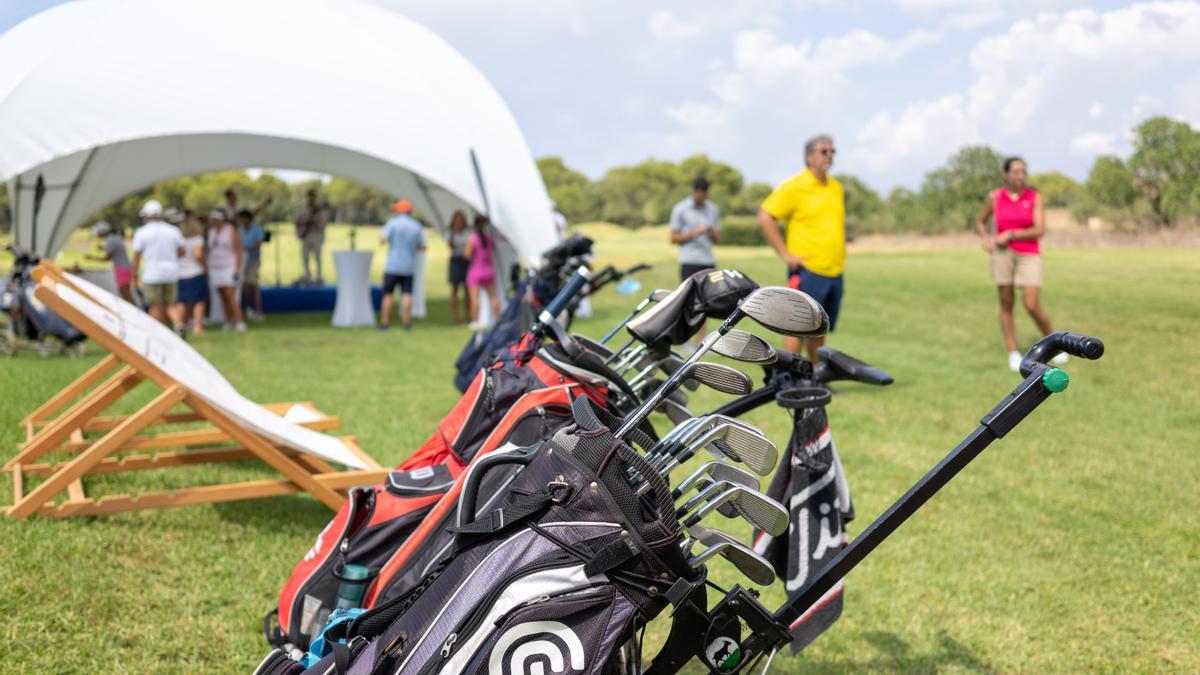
676,412
755,567
716,471
736,442
720,377
660,294
758,509
743,346
674,362
787,311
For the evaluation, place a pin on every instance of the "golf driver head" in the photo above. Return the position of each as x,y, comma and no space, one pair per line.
742,346
758,509
755,567
787,311
717,471
721,377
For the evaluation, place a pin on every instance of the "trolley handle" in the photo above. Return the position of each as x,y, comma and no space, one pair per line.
1075,344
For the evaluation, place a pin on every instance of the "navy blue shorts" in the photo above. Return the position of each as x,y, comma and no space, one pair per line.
193,290
823,289
391,281
686,270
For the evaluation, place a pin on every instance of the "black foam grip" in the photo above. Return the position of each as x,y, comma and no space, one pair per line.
574,285
1078,344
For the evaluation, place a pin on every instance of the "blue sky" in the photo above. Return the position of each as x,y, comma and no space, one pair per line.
900,84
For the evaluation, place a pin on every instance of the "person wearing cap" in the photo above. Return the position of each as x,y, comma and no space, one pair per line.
812,207
405,238
310,229
112,248
224,263
695,226
157,247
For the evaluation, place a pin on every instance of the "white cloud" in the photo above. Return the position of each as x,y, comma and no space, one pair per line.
1029,74
665,25
966,15
1092,143
1096,110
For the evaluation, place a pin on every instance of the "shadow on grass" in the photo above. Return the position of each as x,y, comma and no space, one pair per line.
893,654
291,515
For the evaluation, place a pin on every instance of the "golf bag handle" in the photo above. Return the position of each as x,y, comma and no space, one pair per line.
1075,344
470,490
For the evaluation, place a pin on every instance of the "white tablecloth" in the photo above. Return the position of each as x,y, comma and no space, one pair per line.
353,306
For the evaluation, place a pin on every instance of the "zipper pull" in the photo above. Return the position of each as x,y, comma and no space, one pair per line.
449,645
345,544
538,600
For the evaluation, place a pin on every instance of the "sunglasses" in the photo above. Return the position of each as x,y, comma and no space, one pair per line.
828,152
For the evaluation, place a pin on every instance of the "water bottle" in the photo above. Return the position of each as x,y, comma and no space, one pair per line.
352,587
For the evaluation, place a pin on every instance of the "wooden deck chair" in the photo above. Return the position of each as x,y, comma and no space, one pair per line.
286,436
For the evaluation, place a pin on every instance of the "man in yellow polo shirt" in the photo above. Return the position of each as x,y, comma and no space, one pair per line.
813,209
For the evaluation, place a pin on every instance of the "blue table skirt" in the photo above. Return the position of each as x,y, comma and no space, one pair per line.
283,299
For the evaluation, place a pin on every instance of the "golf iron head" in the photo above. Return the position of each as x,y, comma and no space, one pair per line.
716,471
758,509
747,347
720,377
727,440
752,565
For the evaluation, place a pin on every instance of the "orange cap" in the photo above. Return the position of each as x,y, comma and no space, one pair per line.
402,206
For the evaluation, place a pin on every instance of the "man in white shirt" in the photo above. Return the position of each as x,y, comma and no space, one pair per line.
159,246
695,227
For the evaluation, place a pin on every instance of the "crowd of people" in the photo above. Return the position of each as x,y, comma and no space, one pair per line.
180,260
178,257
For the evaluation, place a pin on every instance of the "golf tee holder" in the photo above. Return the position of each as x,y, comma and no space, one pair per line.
1041,380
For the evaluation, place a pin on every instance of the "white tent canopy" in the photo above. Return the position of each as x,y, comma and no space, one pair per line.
100,98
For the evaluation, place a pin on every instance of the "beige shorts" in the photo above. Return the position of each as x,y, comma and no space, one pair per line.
1012,269
159,294
250,270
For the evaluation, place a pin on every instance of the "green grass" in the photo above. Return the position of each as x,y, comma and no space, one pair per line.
1070,545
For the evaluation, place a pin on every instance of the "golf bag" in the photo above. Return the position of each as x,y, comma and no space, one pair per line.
394,528
482,349
561,574
29,319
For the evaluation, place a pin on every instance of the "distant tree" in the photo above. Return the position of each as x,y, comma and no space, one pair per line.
862,203
747,202
357,202
725,181
643,193
1057,190
1110,183
570,190
906,208
1166,167
5,211
954,193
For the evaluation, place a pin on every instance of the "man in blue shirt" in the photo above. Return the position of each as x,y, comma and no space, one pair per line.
253,237
404,238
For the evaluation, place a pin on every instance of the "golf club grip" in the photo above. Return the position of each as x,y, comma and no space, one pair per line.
574,285
1076,344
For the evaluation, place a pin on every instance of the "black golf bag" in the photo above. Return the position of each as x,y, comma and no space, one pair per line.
482,349
556,579
30,320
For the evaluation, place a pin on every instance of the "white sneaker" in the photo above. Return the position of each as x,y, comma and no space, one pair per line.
239,327
1014,361
1060,359
475,325
226,327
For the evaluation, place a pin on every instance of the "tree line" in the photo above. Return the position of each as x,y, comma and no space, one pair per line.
1158,184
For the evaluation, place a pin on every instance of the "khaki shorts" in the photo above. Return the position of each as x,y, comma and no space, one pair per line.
159,294
250,273
1012,269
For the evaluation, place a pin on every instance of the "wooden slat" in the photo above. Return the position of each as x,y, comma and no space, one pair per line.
18,483
54,433
71,391
206,494
103,423
110,443
75,491
351,443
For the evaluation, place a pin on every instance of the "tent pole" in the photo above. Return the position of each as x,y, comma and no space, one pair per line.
487,209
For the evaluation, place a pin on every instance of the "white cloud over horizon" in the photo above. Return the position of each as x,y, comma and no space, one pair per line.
900,85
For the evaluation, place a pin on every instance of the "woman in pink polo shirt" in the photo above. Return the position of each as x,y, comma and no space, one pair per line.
1016,256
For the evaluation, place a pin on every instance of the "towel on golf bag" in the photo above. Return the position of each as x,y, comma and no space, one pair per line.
555,580
813,486
704,295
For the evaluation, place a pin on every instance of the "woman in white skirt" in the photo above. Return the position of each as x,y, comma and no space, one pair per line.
224,261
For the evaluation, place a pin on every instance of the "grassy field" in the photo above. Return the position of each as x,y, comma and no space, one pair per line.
1070,546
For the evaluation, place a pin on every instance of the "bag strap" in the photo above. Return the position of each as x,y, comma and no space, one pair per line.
689,624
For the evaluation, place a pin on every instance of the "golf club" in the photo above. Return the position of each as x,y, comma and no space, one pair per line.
777,308
759,510
716,470
747,347
752,565
655,296
719,376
